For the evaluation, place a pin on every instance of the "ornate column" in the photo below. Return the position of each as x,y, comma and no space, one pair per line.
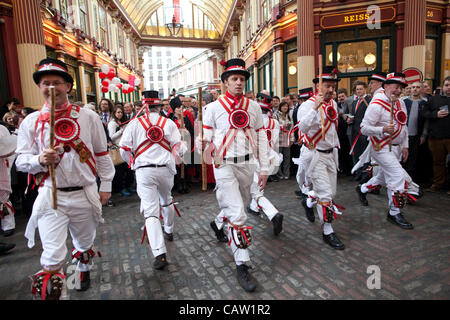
446,46
414,35
305,43
82,81
278,69
30,47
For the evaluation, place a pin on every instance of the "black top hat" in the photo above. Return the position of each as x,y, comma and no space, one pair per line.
175,103
151,98
329,73
264,101
396,77
235,65
379,76
52,66
305,93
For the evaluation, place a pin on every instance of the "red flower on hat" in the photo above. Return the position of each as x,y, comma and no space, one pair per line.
36,67
223,63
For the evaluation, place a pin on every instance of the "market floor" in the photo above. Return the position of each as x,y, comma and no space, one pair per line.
380,261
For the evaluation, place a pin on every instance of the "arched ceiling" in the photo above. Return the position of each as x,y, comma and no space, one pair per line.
140,11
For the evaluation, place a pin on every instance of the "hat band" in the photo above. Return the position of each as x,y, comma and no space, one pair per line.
235,68
152,101
264,105
51,67
396,79
328,76
305,95
377,77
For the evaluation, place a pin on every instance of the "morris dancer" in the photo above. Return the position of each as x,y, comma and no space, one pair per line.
232,123
150,145
322,169
259,202
79,156
8,143
376,124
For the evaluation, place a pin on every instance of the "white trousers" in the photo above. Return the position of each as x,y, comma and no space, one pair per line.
8,221
303,164
324,179
233,183
74,213
259,201
391,175
154,188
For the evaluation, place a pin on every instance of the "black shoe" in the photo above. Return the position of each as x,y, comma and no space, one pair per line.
220,235
8,233
400,221
160,262
85,280
5,247
277,221
309,211
110,203
244,278
362,196
275,178
249,210
333,241
168,236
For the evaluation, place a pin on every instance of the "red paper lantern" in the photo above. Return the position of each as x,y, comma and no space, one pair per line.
131,89
119,86
105,83
102,75
111,74
105,89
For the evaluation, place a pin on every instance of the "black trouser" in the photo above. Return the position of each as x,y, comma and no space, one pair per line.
413,152
122,177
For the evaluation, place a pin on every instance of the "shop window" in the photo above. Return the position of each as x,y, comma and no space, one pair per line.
292,70
249,83
102,18
385,66
357,56
329,55
64,9
265,73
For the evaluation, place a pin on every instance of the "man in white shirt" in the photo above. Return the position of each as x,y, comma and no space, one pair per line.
319,126
234,125
150,144
79,156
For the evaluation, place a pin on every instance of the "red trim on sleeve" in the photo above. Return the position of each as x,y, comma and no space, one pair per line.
100,154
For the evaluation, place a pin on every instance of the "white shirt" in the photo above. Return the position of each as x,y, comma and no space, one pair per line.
135,134
70,172
310,124
376,117
114,134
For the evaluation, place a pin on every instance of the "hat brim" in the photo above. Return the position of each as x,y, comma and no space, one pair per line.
316,80
226,74
39,74
393,81
377,79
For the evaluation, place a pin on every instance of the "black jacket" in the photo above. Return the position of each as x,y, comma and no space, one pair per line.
437,127
421,120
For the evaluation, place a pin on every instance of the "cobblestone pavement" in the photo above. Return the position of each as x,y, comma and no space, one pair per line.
414,264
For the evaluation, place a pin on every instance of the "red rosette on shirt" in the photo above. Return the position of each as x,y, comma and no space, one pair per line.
155,134
400,117
66,129
239,119
331,113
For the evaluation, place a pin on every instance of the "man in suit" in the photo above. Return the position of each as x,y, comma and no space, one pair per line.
359,106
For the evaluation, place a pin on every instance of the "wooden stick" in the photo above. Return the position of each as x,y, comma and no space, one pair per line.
200,131
392,121
322,120
51,167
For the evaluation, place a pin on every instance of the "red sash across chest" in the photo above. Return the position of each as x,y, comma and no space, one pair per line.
239,119
154,133
330,118
399,116
67,137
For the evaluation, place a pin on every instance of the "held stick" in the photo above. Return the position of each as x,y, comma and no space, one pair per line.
51,167
322,121
200,131
182,139
392,121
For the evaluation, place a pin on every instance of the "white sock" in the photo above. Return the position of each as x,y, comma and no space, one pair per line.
327,228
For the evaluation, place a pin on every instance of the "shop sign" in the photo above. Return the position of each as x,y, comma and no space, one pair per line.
434,15
355,18
412,75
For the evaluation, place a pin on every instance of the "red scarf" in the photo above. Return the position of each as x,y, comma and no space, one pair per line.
236,100
44,115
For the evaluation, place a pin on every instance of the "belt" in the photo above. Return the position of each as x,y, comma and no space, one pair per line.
326,151
152,166
238,159
70,189
395,145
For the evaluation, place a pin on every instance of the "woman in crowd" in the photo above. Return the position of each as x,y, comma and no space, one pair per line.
286,123
115,130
